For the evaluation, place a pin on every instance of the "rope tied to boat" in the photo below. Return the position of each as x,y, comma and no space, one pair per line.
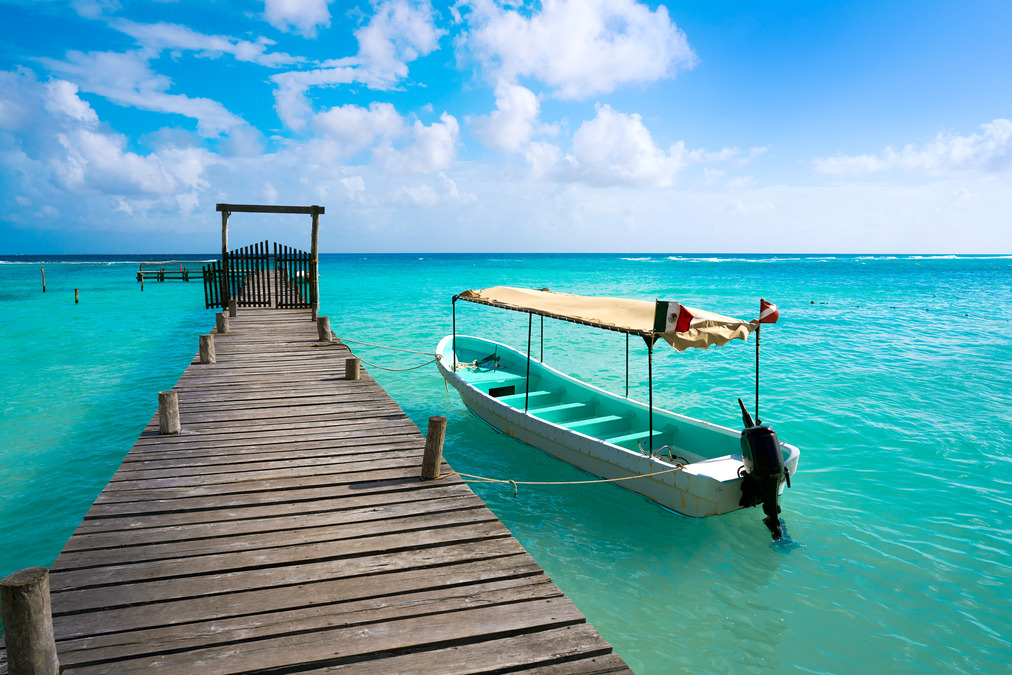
396,349
472,478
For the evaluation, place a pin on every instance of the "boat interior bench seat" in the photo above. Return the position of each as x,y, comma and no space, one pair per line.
562,412
598,426
497,383
534,399
630,440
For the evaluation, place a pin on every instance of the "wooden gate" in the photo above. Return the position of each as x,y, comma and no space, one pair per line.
292,271
250,274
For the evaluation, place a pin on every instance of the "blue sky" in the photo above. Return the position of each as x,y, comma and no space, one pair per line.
476,125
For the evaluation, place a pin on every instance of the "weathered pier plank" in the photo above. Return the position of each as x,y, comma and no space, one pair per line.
286,529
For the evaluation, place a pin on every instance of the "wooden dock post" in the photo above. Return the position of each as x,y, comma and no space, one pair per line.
221,323
28,622
207,349
323,328
77,297
233,308
43,279
351,368
168,413
433,456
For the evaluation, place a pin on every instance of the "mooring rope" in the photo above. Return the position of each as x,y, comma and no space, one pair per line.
335,339
396,349
483,479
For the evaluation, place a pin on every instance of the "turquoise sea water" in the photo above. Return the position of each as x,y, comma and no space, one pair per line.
892,374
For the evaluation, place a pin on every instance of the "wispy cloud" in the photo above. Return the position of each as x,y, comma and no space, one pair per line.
127,79
398,33
169,36
988,152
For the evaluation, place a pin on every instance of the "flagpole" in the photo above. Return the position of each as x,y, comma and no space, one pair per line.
757,373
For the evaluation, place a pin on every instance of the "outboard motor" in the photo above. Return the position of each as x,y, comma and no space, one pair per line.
763,471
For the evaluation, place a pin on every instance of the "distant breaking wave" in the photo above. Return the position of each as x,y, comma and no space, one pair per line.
106,262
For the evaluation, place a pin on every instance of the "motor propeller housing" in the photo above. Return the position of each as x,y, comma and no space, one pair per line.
763,471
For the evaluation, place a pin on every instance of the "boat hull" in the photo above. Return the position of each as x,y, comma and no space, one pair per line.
707,484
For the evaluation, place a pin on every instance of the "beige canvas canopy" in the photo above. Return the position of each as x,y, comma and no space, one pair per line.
649,320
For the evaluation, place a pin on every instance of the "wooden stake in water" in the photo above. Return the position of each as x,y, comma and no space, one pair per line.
43,279
77,298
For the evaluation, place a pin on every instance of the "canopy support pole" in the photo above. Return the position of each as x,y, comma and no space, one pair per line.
627,365
527,385
757,373
650,376
453,304
542,355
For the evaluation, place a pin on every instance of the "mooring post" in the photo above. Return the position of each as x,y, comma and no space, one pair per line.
351,368
233,308
43,279
433,456
28,622
323,327
207,349
316,314
221,323
168,413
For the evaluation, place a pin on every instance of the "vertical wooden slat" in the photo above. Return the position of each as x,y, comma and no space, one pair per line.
262,296
260,274
254,264
266,264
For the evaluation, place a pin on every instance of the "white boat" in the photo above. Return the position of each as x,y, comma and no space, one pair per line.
690,466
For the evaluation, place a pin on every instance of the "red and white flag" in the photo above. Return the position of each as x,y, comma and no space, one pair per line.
678,318
768,312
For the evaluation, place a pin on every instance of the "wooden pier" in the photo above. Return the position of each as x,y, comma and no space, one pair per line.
286,529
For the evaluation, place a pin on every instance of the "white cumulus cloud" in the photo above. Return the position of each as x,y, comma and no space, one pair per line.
432,148
514,121
302,16
356,128
579,48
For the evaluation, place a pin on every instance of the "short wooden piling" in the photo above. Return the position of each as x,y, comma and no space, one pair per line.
168,413
433,456
221,323
351,368
323,327
43,279
207,349
232,307
77,297
28,622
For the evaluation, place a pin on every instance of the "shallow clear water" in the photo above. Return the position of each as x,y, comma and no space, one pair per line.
893,376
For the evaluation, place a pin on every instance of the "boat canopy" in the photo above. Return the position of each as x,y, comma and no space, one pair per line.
650,320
